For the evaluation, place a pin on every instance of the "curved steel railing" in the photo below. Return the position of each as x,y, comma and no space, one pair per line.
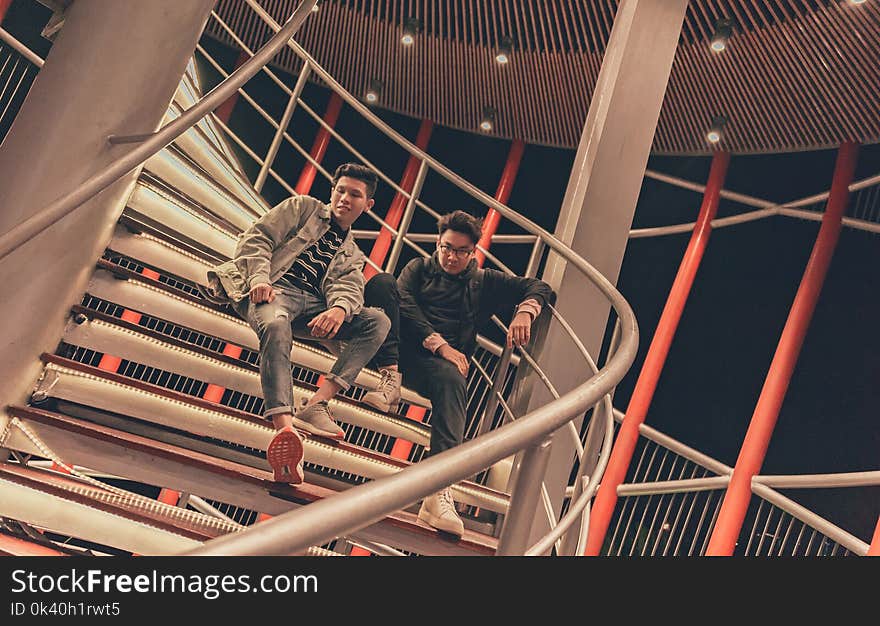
362,505
152,143
444,469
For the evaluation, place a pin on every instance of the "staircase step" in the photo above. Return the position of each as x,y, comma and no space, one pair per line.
166,213
117,337
176,171
156,299
154,463
13,545
76,515
118,518
186,96
198,147
150,404
159,254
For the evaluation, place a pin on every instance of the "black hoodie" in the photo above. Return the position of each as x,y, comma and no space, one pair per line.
458,306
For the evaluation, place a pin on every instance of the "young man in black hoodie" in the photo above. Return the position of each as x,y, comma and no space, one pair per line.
443,301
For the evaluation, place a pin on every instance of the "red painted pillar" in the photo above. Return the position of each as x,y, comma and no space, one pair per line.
624,445
505,185
757,439
395,212
224,111
319,147
874,549
169,496
4,7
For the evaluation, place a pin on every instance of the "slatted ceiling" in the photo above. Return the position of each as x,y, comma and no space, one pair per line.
797,74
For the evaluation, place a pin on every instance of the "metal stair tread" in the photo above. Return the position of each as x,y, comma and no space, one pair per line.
486,495
235,476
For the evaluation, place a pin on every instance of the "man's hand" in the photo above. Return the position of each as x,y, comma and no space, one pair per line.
262,293
455,357
325,325
520,330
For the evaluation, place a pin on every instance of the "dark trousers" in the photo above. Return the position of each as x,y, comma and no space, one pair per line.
433,377
381,292
440,381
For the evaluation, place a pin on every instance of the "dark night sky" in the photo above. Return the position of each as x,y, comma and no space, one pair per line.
737,307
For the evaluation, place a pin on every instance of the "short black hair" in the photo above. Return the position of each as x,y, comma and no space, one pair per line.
359,172
461,222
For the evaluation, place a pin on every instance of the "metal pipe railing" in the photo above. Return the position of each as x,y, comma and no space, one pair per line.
765,208
825,527
49,215
391,264
282,127
22,49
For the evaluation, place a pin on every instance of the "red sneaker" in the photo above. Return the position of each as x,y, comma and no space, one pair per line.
285,455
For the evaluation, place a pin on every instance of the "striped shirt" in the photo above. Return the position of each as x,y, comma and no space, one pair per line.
309,268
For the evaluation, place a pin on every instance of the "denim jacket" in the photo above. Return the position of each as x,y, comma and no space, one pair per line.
267,249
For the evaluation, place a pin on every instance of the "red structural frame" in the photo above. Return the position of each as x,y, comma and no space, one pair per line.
502,194
754,447
319,147
395,212
640,402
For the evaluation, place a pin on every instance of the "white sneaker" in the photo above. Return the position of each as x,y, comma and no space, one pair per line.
439,511
386,397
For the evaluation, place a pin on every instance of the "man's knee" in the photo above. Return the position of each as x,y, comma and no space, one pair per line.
449,379
375,322
381,289
276,329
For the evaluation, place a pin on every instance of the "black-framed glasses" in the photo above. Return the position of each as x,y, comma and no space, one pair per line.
445,248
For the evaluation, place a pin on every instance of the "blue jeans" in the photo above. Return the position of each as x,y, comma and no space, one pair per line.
278,322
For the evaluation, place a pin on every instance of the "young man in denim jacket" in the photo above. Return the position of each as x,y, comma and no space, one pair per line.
297,271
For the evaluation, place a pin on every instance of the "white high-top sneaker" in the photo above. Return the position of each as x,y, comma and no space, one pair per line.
386,397
439,511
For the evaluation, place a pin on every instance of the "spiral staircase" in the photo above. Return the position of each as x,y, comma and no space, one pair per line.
143,431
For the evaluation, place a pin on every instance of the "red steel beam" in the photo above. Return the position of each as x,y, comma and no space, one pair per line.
627,437
395,212
874,549
168,496
224,111
757,439
502,194
319,147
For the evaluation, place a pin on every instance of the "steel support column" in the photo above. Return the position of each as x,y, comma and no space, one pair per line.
116,66
502,194
601,197
757,439
640,401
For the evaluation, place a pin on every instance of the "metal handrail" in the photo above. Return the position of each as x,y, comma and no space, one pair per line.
855,545
21,48
359,506
765,208
26,230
